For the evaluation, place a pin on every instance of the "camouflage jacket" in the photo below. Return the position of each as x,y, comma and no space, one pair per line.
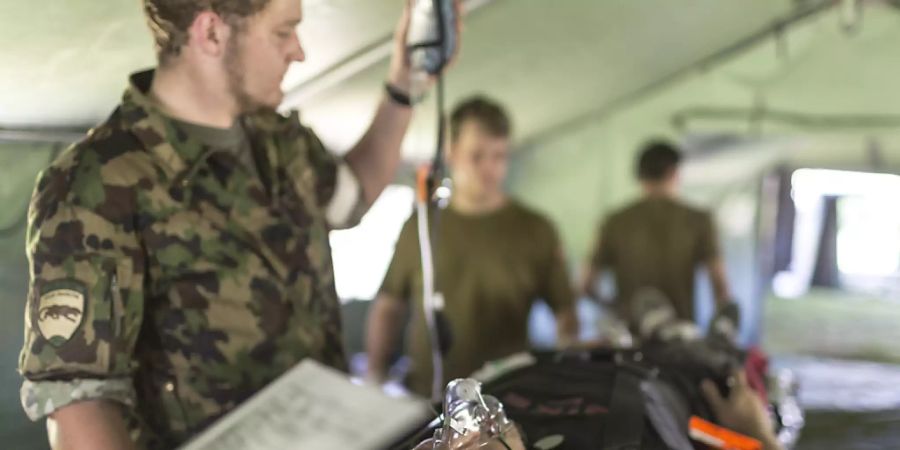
168,279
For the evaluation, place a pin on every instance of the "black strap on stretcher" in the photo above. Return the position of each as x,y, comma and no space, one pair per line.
625,426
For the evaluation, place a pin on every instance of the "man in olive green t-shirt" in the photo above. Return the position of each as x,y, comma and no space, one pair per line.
657,242
494,258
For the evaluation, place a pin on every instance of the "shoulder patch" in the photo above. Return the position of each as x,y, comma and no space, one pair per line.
60,311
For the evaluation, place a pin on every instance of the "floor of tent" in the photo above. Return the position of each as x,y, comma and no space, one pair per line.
850,368
837,430
850,405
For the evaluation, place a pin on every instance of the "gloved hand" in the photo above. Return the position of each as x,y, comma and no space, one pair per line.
742,411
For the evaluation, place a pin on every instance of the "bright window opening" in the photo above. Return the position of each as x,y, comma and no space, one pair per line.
868,237
868,240
867,234
362,254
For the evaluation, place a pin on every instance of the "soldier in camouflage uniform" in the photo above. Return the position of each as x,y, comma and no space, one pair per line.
171,279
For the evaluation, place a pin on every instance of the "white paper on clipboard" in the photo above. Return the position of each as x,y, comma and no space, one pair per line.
313,407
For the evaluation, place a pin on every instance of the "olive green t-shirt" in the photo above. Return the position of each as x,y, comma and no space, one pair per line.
490,269
656,243
232,140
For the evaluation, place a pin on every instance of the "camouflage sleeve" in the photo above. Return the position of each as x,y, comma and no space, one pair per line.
347,206
42,398
336,184
85,298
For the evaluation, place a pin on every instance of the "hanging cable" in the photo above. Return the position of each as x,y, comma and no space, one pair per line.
432,41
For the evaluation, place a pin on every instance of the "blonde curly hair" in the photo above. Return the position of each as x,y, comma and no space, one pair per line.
169,20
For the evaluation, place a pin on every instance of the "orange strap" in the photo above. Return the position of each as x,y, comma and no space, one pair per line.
422,183
721,438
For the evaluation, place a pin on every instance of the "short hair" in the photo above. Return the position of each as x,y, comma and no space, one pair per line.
169,20
486,112
657,161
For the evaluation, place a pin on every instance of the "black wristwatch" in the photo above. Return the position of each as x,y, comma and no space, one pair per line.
398,96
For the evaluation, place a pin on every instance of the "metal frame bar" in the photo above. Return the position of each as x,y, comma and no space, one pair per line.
42,135
755,116
739,46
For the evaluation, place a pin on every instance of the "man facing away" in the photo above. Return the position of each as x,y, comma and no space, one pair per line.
657,243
